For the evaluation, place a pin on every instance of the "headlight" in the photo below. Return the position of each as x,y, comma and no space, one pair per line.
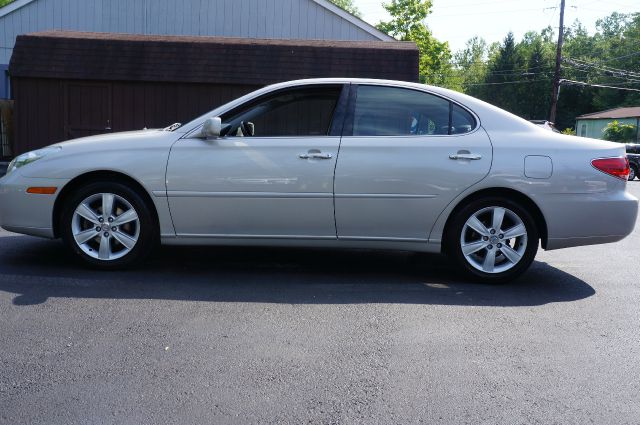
29,157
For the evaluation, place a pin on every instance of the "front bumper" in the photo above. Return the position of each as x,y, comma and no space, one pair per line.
26,213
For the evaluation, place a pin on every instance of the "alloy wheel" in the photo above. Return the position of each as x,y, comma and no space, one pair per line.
105,226
493,240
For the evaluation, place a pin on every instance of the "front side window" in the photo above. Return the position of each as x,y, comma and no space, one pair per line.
298,112
390,111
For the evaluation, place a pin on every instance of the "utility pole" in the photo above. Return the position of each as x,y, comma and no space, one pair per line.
556,77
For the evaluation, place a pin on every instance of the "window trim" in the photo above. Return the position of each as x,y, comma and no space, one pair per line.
350,116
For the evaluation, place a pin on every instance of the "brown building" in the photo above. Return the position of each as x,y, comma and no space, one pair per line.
72,84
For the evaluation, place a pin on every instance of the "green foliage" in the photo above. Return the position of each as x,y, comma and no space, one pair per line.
3,3
348,6
407,17
470,67
407,24
569,131
517,75
618,132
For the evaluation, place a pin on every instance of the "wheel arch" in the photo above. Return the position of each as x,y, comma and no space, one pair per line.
510,194
94,176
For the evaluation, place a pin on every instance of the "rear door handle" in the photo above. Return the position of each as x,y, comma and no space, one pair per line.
315,155
469,156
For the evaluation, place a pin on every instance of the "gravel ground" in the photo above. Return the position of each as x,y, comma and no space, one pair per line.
232,335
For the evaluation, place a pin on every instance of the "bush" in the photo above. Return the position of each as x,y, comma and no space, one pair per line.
569,131
617,132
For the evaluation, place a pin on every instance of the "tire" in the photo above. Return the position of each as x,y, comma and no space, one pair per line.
472,227
632,173
123,239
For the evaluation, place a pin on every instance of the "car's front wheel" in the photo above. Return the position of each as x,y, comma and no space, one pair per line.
108,225
493,240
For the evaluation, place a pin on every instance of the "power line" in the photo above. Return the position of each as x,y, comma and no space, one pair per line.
506,82
602,71
495,12
580,83
622,57
507,70
608,69
601,74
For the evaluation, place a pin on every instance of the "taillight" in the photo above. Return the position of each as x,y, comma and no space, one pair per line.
616,167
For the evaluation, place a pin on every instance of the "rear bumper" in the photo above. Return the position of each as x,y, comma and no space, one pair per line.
587,219
25,213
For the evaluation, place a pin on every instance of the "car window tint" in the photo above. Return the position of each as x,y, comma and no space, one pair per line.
461,120
302,112
389,111
635,149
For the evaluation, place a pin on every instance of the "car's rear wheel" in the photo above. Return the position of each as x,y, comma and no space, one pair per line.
493,240
108,225
632,173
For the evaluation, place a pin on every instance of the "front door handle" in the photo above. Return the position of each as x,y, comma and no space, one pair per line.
469,156
315,155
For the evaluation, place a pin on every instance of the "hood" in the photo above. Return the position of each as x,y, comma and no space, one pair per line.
100,140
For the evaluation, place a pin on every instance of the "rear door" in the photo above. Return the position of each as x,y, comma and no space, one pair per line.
405,154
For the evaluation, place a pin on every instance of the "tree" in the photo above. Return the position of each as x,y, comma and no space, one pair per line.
615,131
407,24
470,67
534,96
517,74
504,67
3,3
348,6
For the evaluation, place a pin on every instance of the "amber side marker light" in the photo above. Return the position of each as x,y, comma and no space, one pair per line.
42,190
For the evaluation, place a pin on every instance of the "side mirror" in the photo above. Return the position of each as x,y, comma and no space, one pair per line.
211,128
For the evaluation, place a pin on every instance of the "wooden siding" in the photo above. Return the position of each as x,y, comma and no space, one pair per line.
279,19
42,111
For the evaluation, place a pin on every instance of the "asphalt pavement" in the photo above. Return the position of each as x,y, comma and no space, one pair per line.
239,335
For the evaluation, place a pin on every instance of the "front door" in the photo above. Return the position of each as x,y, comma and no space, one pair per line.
88,109
406,154
270,177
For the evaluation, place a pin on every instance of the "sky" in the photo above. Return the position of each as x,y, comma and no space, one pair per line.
456,21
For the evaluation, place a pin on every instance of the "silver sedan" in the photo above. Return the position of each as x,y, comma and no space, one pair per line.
329,163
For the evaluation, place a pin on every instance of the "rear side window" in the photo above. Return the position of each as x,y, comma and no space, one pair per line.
461,121
391,111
